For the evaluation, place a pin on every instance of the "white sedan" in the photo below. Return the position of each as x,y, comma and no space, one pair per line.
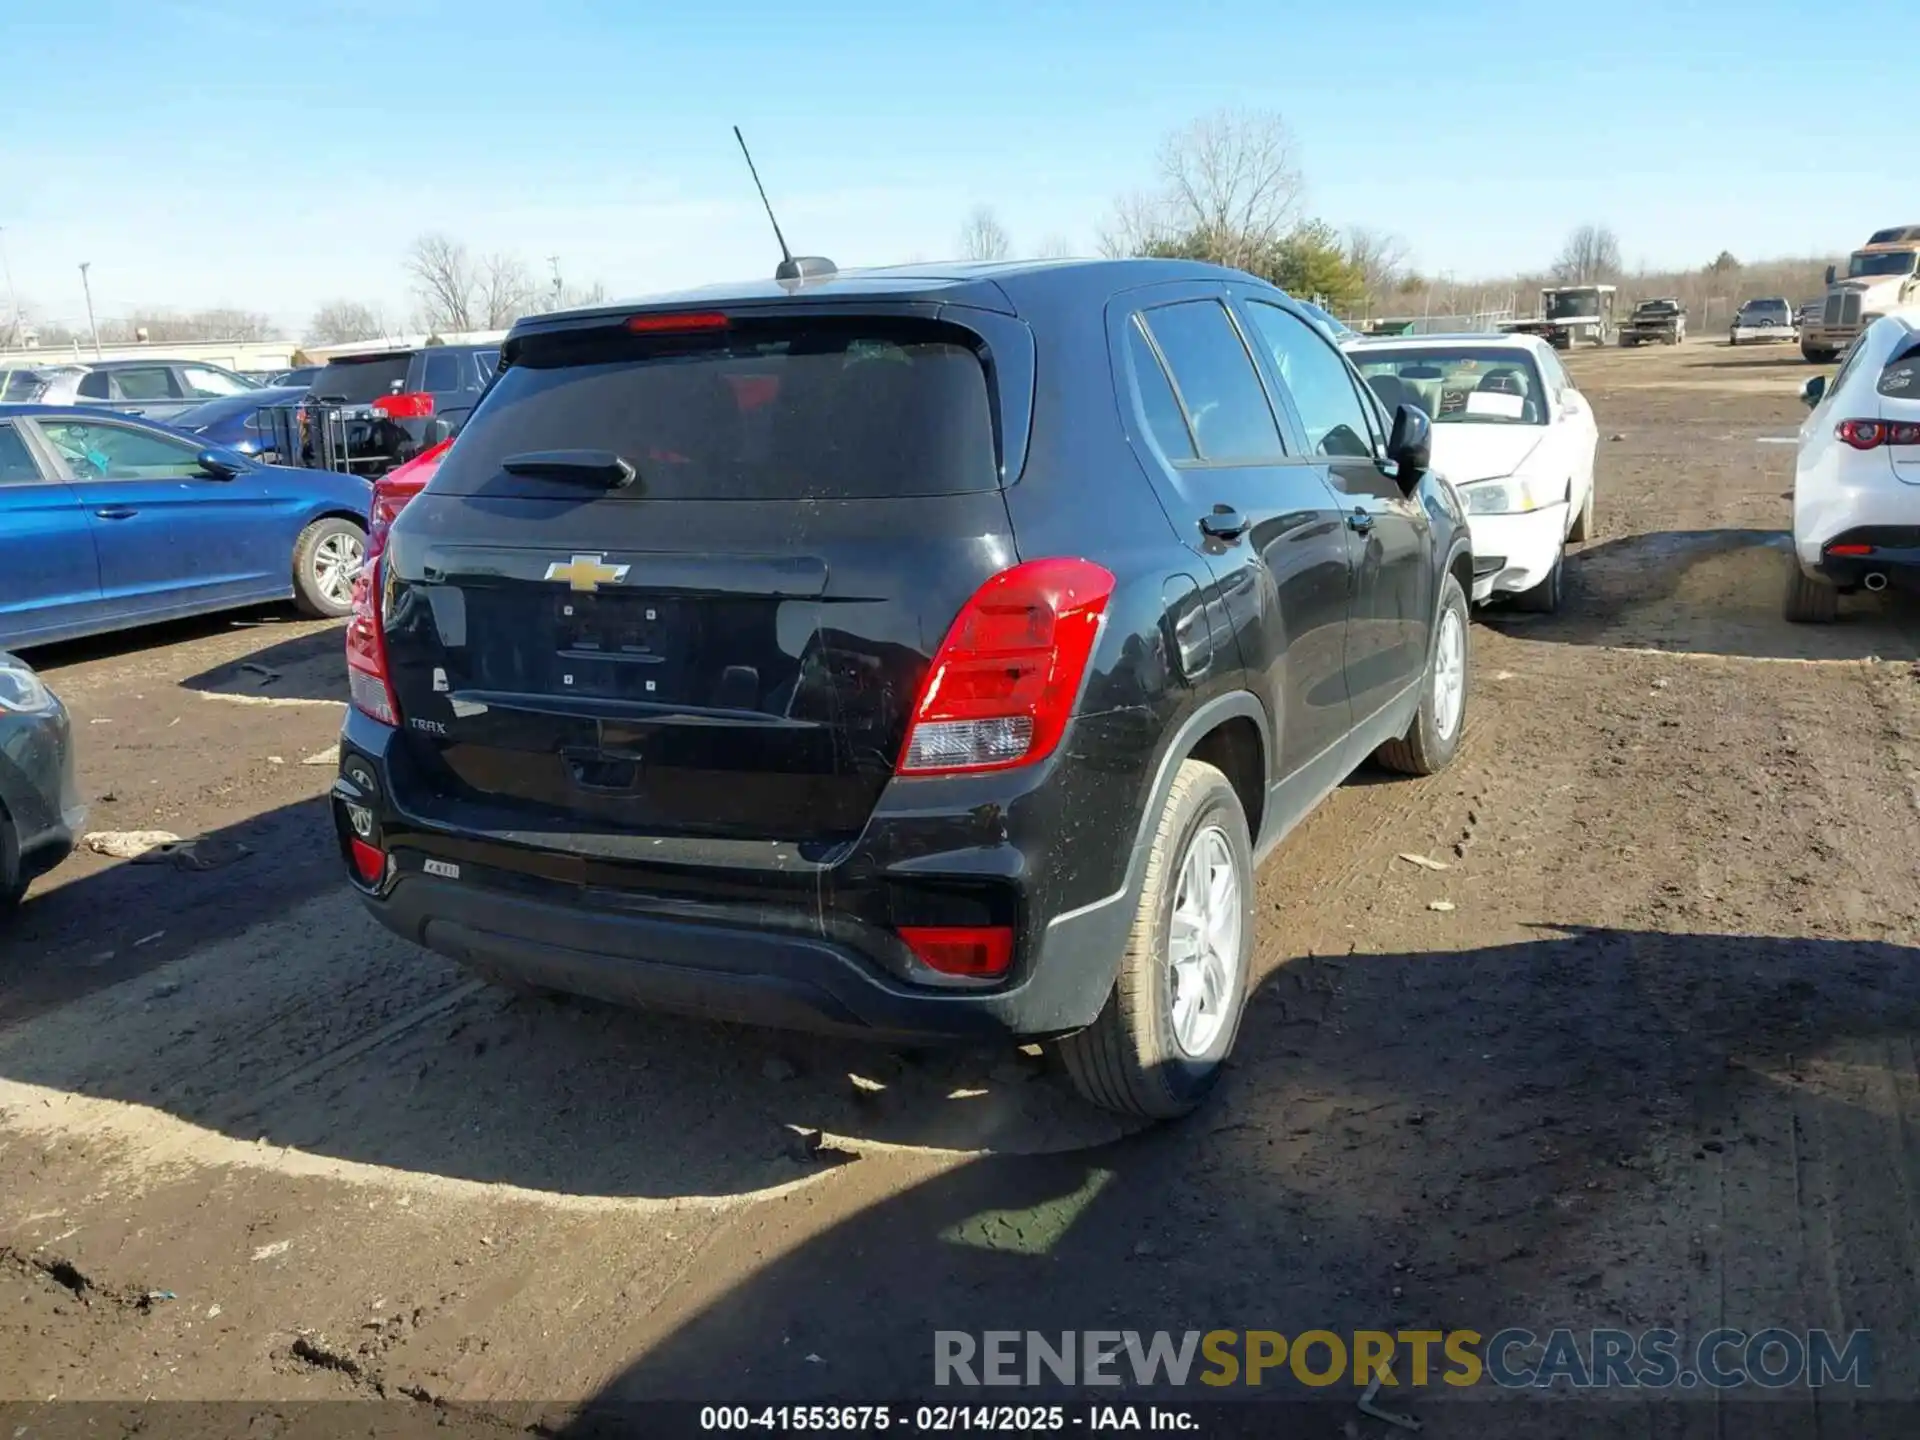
1856,478
1515,438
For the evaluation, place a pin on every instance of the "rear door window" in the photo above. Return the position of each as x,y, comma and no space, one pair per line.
1218,387
155,382
361,382
442,372
93,385
825,409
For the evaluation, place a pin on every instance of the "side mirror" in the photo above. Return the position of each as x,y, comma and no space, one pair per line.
1813,390
437,430
221,464
1829,274
1410,446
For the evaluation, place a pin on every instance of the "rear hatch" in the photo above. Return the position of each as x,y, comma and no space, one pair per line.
728,644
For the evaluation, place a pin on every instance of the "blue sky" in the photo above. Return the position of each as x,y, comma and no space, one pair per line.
270,156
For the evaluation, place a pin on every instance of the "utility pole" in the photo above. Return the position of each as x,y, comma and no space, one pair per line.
87,285
13,296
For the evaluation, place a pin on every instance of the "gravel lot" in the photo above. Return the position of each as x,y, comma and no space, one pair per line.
1656,1065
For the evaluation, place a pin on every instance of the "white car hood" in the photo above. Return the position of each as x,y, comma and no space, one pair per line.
1465,452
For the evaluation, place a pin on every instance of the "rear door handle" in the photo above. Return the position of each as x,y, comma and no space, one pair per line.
1225,523
116,512
1360,522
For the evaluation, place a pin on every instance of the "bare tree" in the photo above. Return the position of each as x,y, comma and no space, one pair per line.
1230,191
168,325
983,237
1055,247
443,281
506,292
340,322
1591,255
1379,257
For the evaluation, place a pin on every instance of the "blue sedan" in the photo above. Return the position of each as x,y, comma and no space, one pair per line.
233,420
107,521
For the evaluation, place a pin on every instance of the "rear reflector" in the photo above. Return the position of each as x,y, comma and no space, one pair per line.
980,951
1849,549
671,323
1005,680
369,862
404,407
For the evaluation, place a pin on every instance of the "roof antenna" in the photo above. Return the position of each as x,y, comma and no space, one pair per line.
791,269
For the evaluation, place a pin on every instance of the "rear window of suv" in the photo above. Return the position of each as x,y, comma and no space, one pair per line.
1901,379
362,381
824,409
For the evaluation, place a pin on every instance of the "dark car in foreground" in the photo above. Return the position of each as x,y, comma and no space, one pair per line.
235,420
108,521
918,654
40,809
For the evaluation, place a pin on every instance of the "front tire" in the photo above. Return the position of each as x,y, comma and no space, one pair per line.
1816,356
1544,598
326,558
1157,1046
13,880
1809,601
1583,522
1434,736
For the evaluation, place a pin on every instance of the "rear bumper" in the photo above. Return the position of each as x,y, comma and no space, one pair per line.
1740,334
794,945
1893,556
727,970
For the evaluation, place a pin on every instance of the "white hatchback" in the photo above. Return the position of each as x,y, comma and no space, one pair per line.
1513,435
1856,478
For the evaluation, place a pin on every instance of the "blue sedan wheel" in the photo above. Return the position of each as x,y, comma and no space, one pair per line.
326,562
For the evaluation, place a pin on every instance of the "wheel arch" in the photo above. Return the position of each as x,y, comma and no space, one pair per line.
1230,732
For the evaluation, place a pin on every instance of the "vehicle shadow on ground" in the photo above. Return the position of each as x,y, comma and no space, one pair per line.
105,928
1390,1151
121,644
310,666
1707,592
1792,360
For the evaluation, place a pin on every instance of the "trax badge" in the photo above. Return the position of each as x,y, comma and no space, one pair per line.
587,572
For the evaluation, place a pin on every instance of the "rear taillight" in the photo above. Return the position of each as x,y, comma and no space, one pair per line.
368,684
418,406
1004,682
978,951
1871,434
369,861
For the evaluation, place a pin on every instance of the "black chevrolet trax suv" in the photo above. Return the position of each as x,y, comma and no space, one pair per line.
913,653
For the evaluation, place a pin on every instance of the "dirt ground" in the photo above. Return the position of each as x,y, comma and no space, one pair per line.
1655,1066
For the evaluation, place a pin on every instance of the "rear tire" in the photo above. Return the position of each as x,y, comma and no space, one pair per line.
1544,598
1809,601
1430,742
1816,356
326,557
1133,1059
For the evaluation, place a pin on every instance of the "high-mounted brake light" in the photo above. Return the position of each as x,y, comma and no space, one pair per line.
417,406
676,322
1004,682
1871,434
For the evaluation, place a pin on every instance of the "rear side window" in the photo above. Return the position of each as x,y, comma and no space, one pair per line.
16,464
1157,400
93,385
1218,386
442,372
825,409
361,382
485,362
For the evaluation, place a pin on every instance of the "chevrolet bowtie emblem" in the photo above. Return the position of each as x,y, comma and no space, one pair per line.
587,572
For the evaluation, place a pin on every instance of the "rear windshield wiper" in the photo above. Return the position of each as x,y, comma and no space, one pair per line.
582,467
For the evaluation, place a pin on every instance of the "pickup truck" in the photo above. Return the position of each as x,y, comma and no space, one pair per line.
1661,322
